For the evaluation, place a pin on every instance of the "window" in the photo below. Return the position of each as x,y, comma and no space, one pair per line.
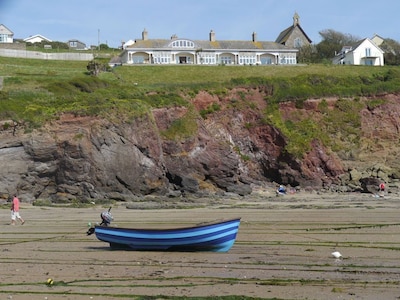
3,38
182,44
247,59
298,43
368,52
162,58
266,60
226,60
289,59
138,59
73,44
207,58
369,62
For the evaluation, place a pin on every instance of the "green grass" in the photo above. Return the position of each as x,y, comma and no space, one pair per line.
37,91
209,75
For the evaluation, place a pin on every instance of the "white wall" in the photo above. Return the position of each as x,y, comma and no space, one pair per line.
8,40
46,56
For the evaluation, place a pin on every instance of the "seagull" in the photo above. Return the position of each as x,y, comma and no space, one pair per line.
337,254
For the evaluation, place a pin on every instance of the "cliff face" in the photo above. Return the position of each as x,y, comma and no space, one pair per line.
231,150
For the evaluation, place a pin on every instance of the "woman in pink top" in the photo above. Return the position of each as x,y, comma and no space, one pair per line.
15,211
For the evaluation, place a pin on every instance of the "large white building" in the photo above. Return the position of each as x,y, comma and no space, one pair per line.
207,52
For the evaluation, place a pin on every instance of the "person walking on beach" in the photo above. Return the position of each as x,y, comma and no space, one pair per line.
15,211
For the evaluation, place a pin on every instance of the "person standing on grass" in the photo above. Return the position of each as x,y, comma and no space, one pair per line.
15,211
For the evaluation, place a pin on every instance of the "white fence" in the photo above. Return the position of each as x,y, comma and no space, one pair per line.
47,56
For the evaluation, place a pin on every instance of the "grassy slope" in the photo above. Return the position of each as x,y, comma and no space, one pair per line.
173,75
36,91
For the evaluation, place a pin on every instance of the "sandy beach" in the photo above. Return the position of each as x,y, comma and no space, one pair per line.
283,251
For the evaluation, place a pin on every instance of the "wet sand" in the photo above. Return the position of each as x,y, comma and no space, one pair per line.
283,250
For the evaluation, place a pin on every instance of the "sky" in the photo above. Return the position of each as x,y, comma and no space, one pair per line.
112,22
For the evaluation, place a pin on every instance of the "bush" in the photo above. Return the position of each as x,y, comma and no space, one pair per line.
182,128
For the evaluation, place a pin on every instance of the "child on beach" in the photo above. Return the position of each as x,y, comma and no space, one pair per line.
15,211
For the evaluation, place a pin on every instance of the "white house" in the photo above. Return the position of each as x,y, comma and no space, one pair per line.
364,52
208,52
6,35
37,38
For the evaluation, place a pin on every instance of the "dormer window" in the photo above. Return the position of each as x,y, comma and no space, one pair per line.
182,44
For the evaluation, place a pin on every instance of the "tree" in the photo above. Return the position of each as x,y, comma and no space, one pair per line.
94,67
307,54
332,42
391,50
103,47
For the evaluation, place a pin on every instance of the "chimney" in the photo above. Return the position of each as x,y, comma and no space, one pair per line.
254,36
144,35
212,36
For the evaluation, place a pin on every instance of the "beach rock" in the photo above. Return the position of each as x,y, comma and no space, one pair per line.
370,184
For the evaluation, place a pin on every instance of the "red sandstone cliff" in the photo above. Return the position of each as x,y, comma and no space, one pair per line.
231,150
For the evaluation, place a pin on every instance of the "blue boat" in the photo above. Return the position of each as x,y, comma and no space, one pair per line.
216,237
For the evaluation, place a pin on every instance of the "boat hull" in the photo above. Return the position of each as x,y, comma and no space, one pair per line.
216,237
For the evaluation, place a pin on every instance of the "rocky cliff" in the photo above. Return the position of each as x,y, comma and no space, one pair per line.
231,149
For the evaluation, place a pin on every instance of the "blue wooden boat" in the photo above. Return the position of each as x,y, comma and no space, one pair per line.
216,237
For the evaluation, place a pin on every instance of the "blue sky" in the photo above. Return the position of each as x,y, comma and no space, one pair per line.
111,22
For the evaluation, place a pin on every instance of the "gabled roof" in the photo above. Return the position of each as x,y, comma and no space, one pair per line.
357,44
5,30
37,36
378,36
377,39
75,40
353,47
285,34
210,45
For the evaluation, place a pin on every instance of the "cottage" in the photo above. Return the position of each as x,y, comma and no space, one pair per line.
364,52
207,52
218,52
6,35
76,45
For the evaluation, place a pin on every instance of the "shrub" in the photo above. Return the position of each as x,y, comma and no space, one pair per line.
210,109
182,128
